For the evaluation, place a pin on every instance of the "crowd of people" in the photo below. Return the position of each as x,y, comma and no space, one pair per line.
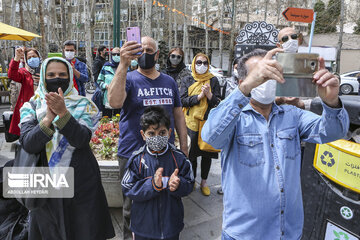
258,139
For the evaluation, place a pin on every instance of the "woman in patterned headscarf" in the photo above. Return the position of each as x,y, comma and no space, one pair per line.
60,121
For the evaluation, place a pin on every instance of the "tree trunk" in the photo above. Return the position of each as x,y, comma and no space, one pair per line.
185,38
206,29
13,12
338,54
278,11
266,9
63,20
221,5
248,11
44,45
148,19
129,13
171,6
109,21
137,13
176,26
158,11
88,51
232,37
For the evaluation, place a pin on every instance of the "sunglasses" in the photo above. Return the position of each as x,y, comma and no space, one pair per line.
286,38
173,56
115,54
199,63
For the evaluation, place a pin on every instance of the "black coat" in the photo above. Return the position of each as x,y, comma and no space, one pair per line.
86,216
97,66
189,101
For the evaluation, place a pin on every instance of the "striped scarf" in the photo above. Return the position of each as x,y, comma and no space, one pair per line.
58,149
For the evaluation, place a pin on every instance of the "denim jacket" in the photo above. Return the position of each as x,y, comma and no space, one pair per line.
261,163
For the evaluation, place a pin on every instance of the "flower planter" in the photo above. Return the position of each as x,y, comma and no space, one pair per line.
110,177
104,147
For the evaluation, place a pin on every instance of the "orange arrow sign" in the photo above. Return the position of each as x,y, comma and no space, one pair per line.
299,15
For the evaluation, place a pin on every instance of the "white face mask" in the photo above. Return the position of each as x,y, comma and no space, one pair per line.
265,93
201,69
291,46
69,55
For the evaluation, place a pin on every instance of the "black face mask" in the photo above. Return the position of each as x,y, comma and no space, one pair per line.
147,61
52,85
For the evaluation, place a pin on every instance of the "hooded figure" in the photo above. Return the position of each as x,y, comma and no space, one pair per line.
175,66
62,123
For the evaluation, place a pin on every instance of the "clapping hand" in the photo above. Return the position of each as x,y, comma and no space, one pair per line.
174,180
55,101
206,89
158,177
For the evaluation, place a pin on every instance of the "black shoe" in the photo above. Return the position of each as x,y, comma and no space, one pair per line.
220,191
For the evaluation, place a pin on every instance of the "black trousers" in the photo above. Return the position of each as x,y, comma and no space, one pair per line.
205,166
127,234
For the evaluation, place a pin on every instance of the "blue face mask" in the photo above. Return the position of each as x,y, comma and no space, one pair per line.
116,59
33,62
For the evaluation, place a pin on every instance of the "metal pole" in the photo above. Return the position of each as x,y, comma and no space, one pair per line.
116,24
312,32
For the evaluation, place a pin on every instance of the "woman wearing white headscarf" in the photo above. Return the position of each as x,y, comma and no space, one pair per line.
61,122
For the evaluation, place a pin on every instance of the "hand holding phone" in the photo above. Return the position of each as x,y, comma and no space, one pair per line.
133,34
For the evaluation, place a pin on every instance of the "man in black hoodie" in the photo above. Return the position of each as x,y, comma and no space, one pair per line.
99,61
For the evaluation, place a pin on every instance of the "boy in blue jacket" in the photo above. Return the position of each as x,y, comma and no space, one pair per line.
157,176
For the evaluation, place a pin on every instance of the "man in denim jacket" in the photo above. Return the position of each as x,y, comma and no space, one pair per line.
260,144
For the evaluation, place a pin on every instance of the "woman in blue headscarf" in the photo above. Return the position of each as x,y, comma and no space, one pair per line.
104,79
60,121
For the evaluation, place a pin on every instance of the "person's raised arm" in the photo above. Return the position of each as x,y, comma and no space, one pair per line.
117,87
180,126
13,72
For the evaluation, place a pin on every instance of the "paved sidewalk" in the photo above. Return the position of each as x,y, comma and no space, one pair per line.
203,215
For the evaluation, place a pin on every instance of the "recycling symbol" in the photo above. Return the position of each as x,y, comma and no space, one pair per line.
327,159
346,212
341,236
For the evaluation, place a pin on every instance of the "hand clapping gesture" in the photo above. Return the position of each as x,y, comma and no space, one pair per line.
174,180
55,102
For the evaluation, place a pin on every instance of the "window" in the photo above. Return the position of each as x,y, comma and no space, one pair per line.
100,37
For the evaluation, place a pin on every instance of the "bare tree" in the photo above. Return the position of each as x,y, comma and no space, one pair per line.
170,24
185,35
221,6
206,29
148,19
44,45
87,10
63,19
176,27
266,3
233,32
129,10
340,42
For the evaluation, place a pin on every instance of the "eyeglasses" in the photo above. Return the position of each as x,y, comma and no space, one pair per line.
286,38
173,56
199,63
115,54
